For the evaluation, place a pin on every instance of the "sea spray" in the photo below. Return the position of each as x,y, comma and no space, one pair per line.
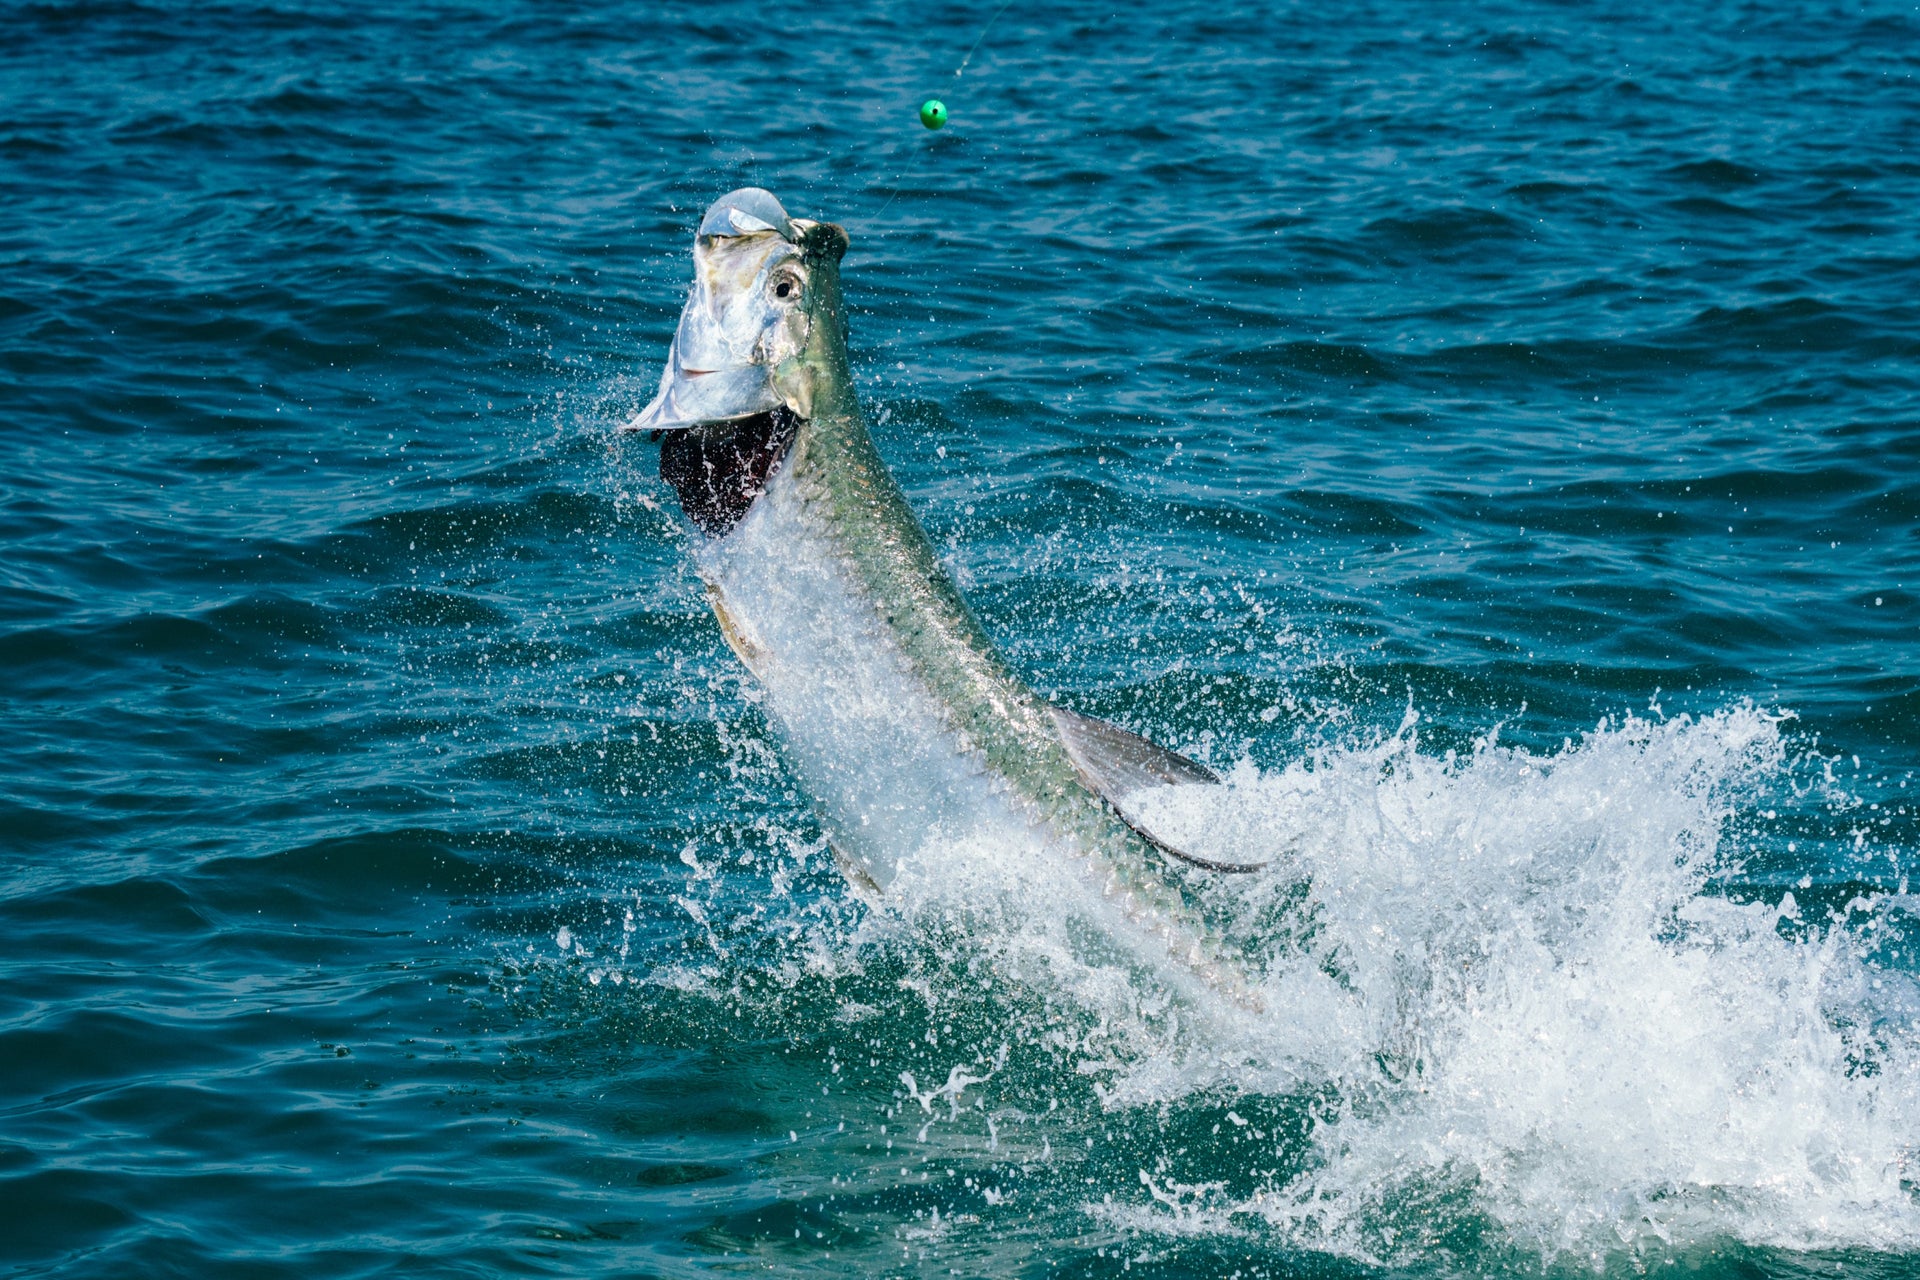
1549,1007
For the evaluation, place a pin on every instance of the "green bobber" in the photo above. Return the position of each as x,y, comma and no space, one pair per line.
933,113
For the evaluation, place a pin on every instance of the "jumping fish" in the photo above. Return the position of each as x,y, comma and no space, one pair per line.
900,717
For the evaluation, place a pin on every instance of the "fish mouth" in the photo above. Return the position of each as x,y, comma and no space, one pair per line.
719,470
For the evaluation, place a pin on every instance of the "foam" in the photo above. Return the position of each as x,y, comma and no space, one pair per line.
1530,1003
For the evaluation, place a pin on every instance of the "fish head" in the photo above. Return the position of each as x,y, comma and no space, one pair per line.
763,325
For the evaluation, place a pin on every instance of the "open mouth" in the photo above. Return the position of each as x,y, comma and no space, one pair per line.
719,470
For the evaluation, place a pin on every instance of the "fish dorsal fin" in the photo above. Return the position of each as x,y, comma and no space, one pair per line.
1116,762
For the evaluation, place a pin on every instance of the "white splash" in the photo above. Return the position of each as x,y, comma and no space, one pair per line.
1525,994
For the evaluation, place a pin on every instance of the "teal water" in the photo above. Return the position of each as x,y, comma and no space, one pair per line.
1491,439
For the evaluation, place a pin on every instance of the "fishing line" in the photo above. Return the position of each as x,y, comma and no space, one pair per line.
963,64
933,112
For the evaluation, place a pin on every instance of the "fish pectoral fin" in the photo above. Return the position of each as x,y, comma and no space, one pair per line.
751,655
1116,762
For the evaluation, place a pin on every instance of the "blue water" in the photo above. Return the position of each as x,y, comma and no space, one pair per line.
1491,437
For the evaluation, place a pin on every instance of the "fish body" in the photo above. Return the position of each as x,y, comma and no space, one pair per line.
897,712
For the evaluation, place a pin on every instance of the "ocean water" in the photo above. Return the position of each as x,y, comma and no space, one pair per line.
1490,437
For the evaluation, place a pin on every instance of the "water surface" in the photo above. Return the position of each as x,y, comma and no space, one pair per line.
1493,440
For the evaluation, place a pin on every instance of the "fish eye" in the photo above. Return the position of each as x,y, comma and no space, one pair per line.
788,283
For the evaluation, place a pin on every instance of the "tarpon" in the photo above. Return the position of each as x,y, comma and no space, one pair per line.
900,717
